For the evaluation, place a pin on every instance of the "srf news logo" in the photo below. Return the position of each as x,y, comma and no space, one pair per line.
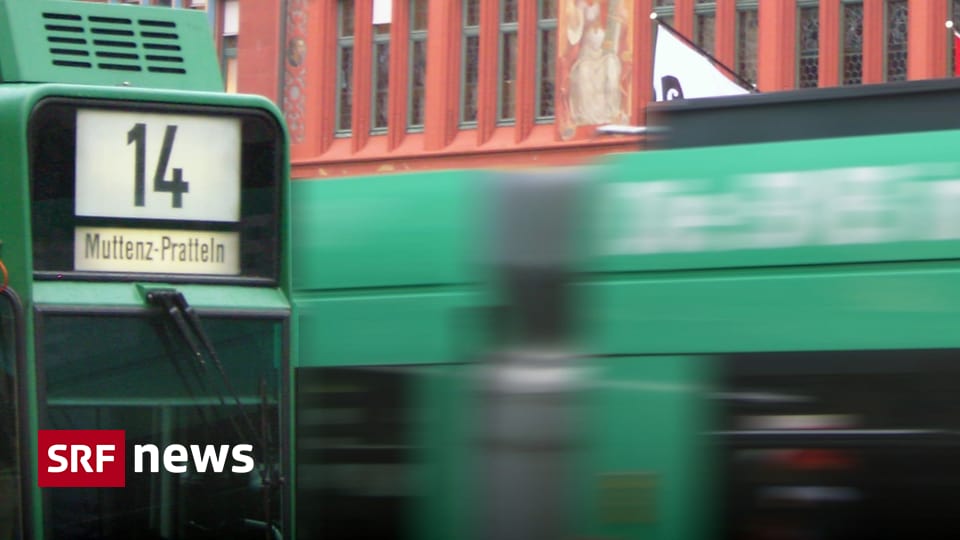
97,458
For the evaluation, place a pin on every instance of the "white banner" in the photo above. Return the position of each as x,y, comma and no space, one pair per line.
680,71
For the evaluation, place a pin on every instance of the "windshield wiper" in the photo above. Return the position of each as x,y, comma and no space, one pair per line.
187,322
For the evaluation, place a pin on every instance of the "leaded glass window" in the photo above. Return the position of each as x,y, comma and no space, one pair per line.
852,43
955,17
344,67
508,61
664,11
747,23
381,77
546,62
705,25
897,40
808,49
418,64
470,61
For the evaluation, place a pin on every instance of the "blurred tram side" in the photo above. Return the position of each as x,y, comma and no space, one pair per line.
722,339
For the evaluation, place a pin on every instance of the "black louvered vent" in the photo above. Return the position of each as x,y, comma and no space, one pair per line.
114,43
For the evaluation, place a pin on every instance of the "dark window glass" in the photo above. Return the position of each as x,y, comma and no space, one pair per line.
470,61
547,26
381,77
847,444
747,44
897,40
141,375
955,17
9,440
705,31
852,43
345,67
809,48
508,75
418,64
356,455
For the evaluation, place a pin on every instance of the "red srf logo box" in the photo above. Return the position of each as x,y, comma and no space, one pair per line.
82,458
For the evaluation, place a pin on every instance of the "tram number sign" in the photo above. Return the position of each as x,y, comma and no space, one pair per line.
192,163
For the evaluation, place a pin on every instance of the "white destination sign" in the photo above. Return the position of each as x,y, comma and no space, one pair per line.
157,166
111,249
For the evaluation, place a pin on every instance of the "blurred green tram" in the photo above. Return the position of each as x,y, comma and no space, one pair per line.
748,332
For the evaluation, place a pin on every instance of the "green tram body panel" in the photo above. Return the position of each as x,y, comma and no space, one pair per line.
395,258
712,273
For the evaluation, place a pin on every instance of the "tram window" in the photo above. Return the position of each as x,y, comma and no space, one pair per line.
137,374
9,447
851,444
379,449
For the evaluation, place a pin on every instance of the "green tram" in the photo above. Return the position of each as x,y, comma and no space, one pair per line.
145,314
716,339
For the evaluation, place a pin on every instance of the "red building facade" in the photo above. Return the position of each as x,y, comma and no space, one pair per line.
502,83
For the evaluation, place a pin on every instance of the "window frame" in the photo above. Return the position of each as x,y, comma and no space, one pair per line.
378,39
416,36
739,47
467,32
843,41
801,6
344,43
507,113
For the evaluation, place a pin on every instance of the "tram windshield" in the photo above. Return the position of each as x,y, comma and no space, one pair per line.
143,374
9,470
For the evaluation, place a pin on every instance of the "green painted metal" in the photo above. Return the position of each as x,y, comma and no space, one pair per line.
405,328
217,297
644,466
878,307
109,45
396,258
387,231
856,199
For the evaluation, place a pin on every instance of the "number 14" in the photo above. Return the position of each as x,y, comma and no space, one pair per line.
177,187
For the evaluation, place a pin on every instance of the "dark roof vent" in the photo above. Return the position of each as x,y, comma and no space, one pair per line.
85,43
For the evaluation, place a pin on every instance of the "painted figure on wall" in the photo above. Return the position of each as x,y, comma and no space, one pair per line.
594,64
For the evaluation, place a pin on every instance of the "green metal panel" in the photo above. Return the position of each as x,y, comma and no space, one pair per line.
900,306
386,231
645,465
103,44
219,297
445,436
857,199
15,242
409,327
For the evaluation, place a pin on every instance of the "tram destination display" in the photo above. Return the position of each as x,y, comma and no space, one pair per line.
173,191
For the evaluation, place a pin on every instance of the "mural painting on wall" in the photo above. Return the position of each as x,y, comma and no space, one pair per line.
594,65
